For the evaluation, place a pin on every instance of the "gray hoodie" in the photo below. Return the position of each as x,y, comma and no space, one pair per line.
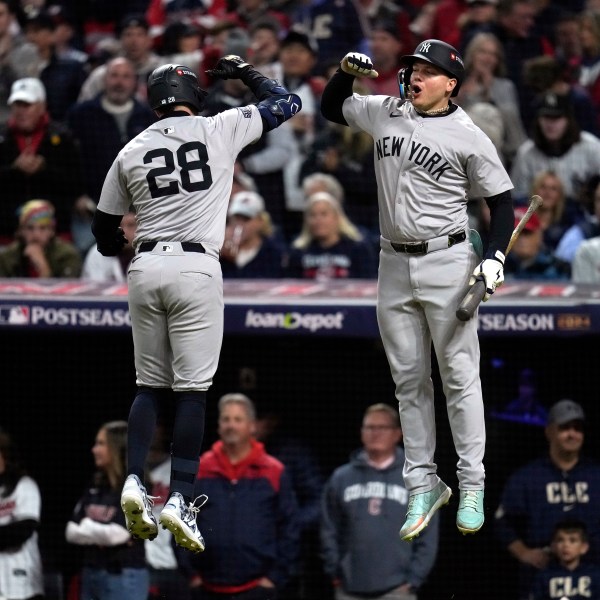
363,509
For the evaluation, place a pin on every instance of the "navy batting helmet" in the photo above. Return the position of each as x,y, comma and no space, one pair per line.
438,53
175,84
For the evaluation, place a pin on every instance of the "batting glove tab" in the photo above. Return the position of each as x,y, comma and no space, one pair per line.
230,66
359,65
491,270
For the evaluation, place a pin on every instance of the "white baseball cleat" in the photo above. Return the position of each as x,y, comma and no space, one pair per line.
137,507
180,520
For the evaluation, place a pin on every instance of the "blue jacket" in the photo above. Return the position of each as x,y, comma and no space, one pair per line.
363,510
538,496
556,582
249,521
100,140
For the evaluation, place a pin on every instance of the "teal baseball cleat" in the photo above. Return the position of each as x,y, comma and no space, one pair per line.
470,517
421,507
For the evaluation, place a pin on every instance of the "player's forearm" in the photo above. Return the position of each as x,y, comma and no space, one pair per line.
502,220
338,88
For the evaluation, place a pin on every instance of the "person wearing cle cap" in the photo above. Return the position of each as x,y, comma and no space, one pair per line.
37,252
547,490
530,258
249,250
38,158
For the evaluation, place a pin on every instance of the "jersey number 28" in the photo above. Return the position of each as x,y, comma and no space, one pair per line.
185,165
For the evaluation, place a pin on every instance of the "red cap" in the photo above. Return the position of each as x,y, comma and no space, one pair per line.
534,222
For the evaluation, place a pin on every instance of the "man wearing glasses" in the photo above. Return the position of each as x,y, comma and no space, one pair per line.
362,501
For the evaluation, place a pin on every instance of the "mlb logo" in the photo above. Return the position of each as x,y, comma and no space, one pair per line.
14,315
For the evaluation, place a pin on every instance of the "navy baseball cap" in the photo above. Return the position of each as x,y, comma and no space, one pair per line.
565,411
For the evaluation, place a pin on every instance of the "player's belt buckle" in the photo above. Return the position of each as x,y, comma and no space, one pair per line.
415,248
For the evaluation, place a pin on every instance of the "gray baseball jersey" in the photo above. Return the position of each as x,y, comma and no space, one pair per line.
178,175
426,168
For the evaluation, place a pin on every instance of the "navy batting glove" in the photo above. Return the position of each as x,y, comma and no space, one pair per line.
229,67
111,246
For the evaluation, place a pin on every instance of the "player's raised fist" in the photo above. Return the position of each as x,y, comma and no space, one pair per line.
230,66
359,65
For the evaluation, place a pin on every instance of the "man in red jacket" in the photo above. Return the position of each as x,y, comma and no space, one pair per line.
249,520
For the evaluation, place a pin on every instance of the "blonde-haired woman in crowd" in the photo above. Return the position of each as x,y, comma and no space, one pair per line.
330,246
553,217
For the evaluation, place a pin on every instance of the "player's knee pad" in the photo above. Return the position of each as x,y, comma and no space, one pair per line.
278,108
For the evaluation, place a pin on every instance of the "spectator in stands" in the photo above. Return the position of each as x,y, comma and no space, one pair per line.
252,541
38,159
530,258
587,227
386,47
347,156
62,77
135,44
336,26
198,13
21,573
539,494
103,125
65,32
590,64
556,144
544,74
250,250
567,43
297,56
329,245
479,17
486,82
10,42
264,160
167,580
247,12
515,28
97,267
37,251
265,43
586,264
113,564
568,575
306,477
363,555
554,215
182,45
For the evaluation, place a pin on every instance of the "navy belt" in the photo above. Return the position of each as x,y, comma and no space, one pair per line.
185,246
421,247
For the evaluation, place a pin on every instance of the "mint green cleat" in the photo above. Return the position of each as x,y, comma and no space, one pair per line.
469,517
421,507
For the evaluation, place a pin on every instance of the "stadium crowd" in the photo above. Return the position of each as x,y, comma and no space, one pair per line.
303,204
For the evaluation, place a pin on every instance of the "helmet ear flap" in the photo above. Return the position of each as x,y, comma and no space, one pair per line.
404,82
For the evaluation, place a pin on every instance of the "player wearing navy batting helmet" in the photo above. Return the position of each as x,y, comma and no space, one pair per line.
429,159
178,175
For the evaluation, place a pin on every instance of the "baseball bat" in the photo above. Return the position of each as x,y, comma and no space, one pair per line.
476,292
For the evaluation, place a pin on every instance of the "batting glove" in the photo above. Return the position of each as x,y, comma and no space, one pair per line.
229,67
111,246
359,65
492,272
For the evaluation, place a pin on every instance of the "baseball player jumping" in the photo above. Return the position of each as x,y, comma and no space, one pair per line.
429,157
178,175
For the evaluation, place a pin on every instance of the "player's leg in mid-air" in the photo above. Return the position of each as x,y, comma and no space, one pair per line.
407,342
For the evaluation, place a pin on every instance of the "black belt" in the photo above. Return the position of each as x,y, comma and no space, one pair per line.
421,247
185,246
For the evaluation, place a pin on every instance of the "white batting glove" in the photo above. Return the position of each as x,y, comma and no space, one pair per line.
492,271
359,65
